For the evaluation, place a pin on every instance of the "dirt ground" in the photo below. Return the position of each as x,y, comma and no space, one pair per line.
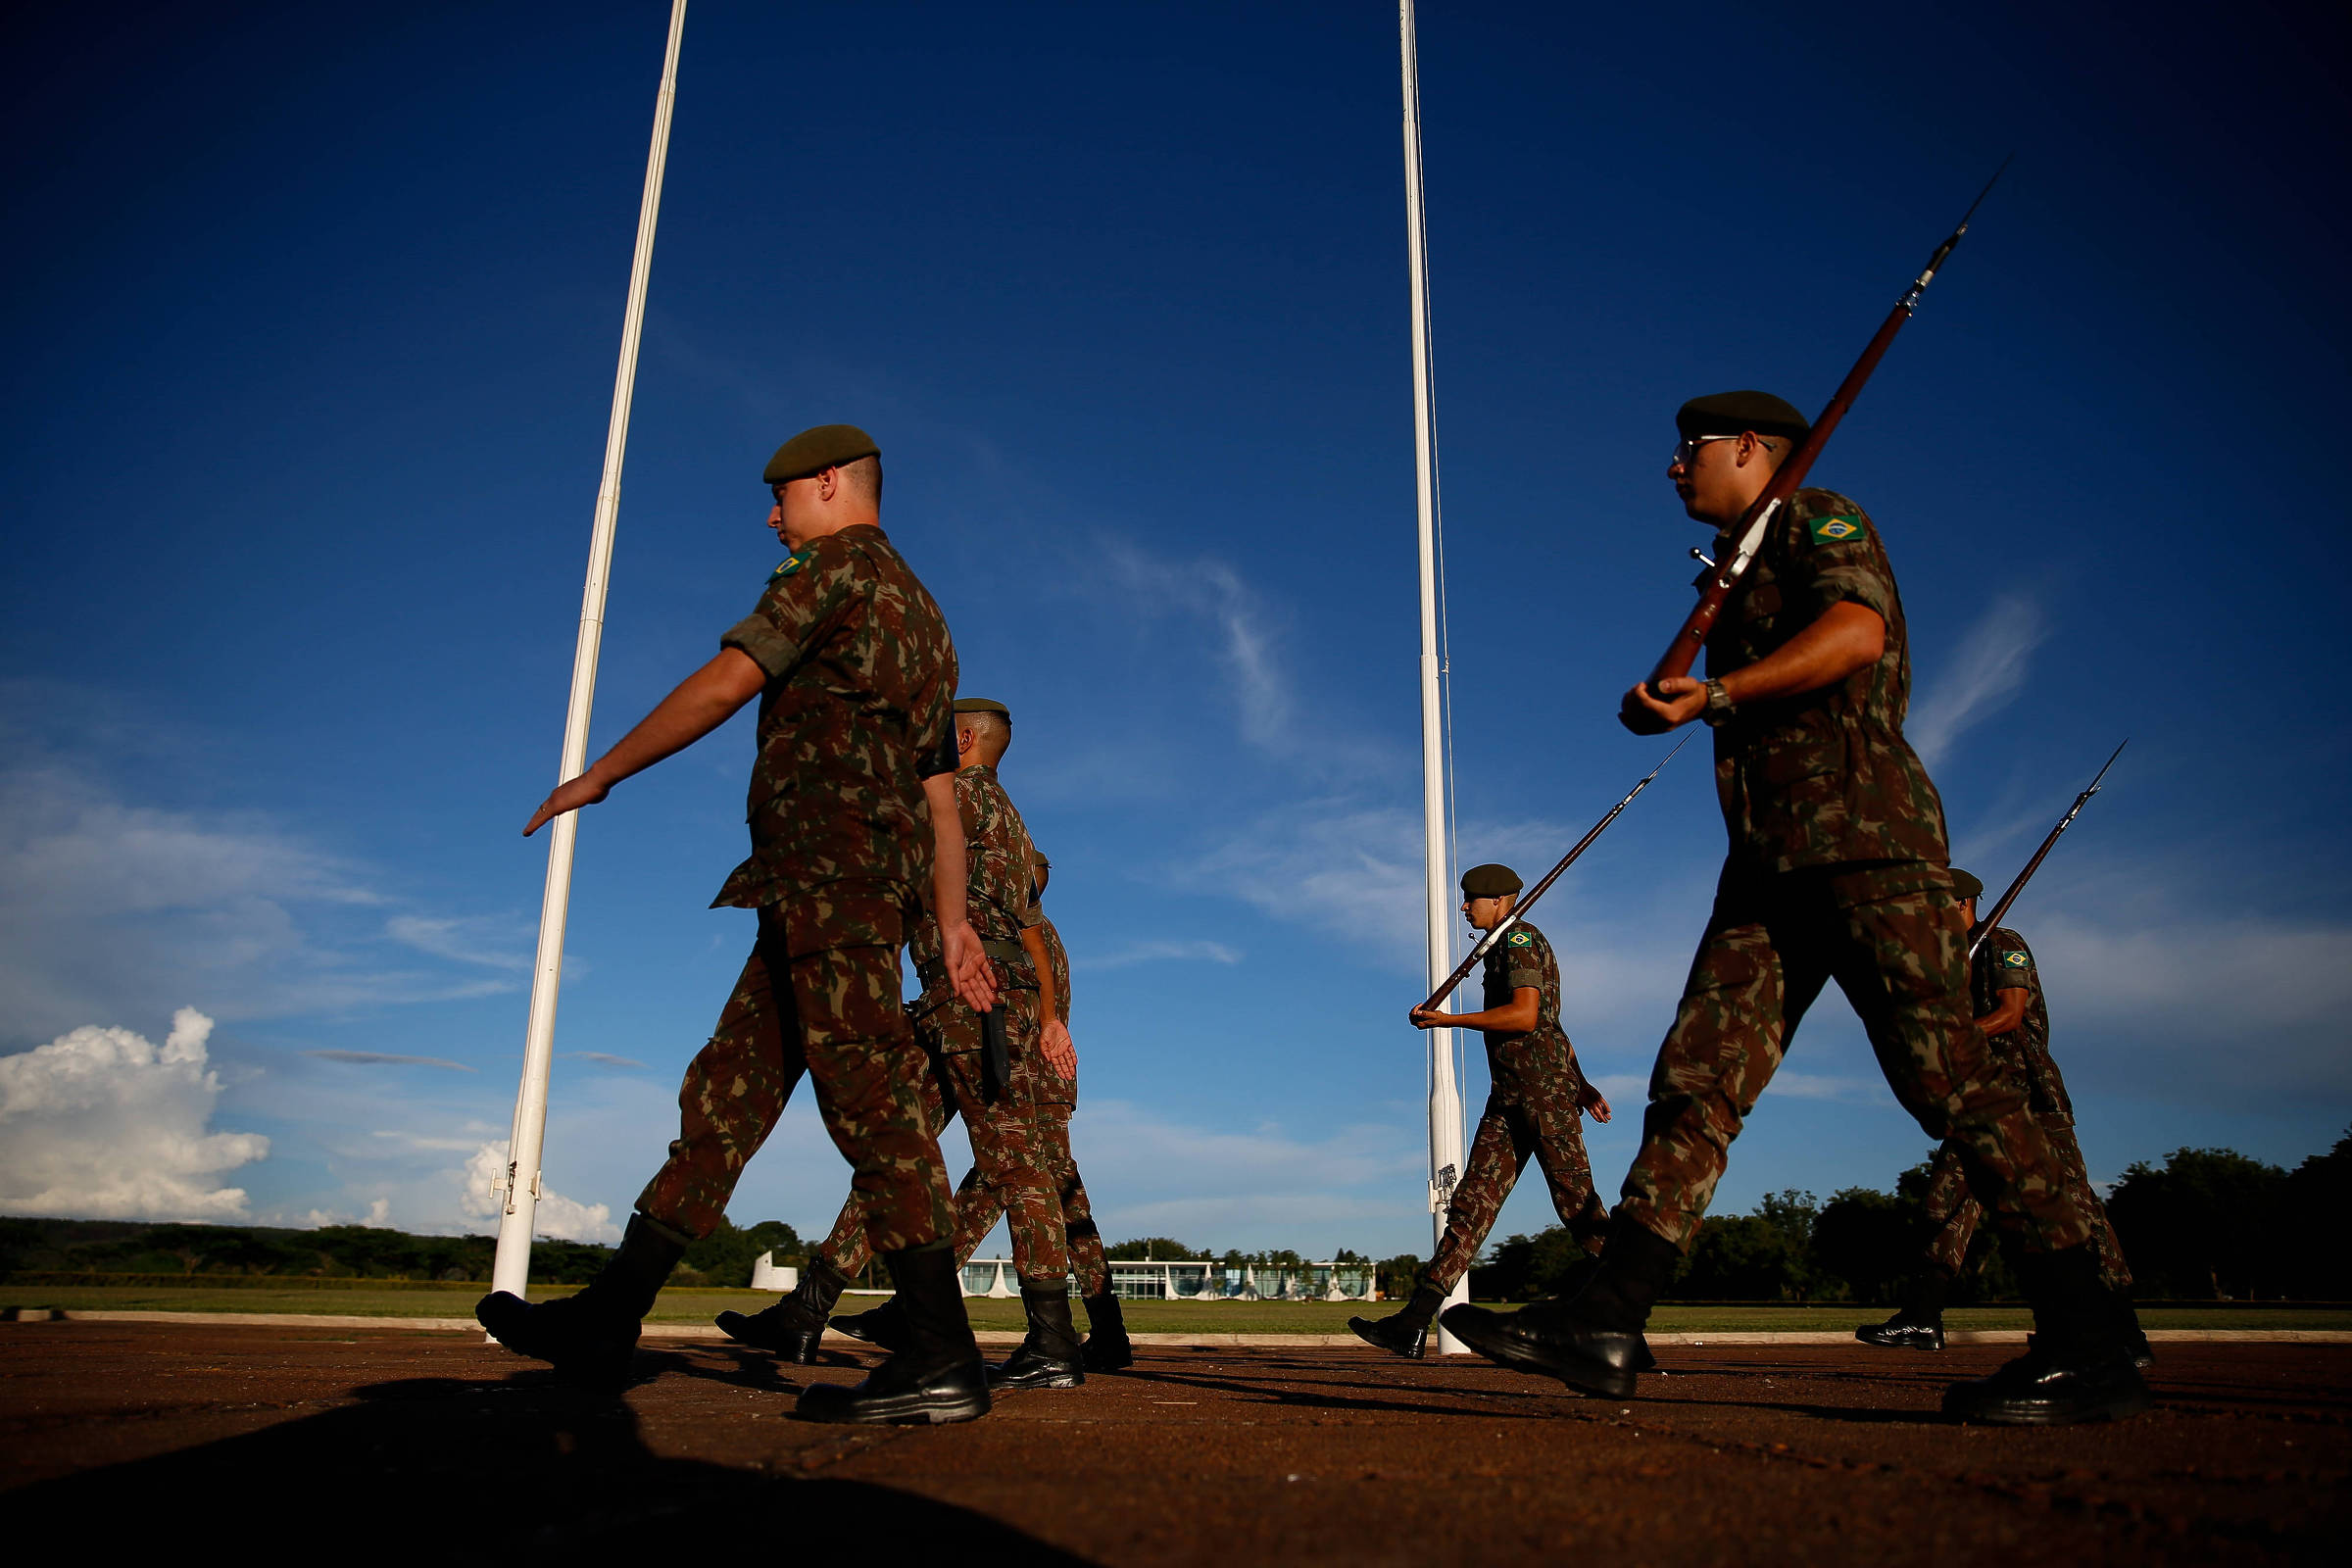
399,1442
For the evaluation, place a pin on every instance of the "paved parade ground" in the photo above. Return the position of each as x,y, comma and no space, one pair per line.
432,1444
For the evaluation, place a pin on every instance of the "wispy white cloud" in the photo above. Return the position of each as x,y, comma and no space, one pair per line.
1246,631
1157,952
387,1058
602,1058
101,1125
473,940
1985,670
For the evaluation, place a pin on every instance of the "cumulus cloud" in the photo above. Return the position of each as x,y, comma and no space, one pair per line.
386,1058
1985,670
102,1124
1155,951
484,1196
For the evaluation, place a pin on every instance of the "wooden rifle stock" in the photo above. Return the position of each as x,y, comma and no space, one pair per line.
1683,652
1486,944
1978,932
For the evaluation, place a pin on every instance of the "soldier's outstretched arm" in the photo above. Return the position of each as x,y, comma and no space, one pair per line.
968,968
702,700
1845,638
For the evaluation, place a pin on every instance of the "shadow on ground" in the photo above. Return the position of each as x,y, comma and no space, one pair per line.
529,1468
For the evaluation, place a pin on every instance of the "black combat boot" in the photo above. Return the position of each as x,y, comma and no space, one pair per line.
795,1325
2078,1364
1048,1358
1404,1333
1917,1324
1106,1348
591,1336
884,1325
1591,1339
938,1376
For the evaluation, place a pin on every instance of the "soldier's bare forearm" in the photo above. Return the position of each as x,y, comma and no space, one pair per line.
1033,942
701,701
948,865
1847,637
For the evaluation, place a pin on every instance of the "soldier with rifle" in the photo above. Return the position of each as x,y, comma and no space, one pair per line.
852,818
977,1060
1535,1108
2005,991
1836,870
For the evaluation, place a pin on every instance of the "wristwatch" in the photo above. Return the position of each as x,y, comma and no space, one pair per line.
1719,708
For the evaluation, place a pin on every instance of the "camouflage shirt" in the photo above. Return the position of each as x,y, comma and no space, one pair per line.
1523,958
860,677
2005,963
1825,776
996,901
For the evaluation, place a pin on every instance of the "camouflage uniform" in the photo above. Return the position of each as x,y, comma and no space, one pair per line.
860,675
2005,963
1045,1099
1534,1105
1014,1173
1838,871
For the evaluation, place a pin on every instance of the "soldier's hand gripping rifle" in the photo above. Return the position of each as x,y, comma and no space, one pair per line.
1983,928
1683,650
1486,944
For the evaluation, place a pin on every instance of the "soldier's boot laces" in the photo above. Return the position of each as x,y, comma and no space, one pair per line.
1107,1348
794,1327
937,1377
1592,1339
590,1336
1918,1324
1404,1333
1050,1357
2078,1364
884,1325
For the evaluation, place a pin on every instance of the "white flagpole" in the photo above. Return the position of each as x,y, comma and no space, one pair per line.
1445,1094
511,1270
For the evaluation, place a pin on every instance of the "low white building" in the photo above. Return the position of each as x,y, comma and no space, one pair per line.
1139,1280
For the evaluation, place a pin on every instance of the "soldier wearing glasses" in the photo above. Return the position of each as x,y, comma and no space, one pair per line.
1838,869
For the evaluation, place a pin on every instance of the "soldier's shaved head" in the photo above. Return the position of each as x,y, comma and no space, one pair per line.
991,735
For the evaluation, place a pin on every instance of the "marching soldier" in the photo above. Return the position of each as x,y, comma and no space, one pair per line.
2006,992
1837,869
1534,1105
976,1071
1044,1093
851,813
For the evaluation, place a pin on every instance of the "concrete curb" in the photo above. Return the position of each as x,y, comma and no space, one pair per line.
1257,1342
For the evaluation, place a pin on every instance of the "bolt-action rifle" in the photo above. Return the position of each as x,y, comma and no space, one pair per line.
1978,932
1486,944
1683,652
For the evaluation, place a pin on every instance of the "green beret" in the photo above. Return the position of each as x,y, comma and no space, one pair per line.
1489,882
820,447
983,704
1966,885
1731,412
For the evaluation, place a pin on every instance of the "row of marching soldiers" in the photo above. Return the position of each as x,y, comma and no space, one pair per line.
879,823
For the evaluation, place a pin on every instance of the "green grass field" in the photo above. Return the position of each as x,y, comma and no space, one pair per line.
1159,1317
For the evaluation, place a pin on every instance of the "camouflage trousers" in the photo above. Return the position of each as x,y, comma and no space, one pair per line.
1953,1211
977,1207
1548,1125
1012,1171
806,1004
1891,936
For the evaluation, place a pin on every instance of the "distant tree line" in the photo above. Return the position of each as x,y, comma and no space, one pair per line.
2208,1224
48,1247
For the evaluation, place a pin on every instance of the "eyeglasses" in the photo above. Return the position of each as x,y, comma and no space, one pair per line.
1688,447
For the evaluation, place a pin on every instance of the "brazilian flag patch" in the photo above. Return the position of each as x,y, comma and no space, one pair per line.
1836,530
2017,960
793,563
1520,939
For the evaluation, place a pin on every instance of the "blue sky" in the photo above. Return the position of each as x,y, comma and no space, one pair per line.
311,335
